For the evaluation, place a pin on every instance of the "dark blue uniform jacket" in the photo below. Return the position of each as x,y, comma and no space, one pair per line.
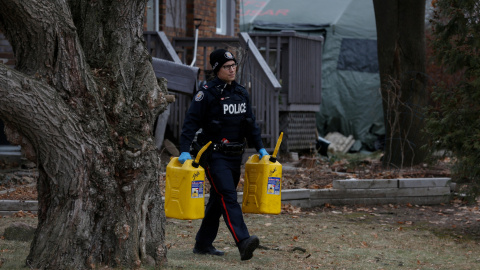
222,111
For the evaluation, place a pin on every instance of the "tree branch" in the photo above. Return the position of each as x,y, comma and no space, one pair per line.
45,43
39,113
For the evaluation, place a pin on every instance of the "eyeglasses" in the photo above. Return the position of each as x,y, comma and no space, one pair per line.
228,67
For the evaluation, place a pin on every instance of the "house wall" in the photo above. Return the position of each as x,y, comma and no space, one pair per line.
194,9
202,9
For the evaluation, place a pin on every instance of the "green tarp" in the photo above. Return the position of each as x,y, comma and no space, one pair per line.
351,100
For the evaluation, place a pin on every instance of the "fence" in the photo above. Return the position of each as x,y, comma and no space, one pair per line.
296,61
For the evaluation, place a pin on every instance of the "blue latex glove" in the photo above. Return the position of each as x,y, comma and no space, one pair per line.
263,153
184,156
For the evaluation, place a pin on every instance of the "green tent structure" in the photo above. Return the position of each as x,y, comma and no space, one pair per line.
351,99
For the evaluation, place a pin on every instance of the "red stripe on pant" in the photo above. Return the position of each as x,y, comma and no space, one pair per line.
224,206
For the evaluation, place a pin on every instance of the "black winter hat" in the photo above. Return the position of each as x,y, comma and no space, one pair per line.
220,57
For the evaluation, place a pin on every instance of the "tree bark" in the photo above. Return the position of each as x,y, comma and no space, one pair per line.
83,98
401,55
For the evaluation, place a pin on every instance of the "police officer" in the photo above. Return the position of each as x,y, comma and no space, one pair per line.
223,111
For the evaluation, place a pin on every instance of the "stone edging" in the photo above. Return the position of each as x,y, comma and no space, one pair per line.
423,191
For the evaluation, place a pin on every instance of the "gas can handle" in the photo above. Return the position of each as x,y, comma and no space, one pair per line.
273,157
197,159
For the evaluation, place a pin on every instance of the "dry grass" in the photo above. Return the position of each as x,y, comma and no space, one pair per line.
327,240
324,238
14,253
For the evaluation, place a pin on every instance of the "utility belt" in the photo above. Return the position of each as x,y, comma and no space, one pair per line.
229,148
226,148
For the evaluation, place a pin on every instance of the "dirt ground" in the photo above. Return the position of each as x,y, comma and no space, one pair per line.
18,183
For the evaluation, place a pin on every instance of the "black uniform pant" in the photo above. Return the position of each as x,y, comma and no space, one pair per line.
223,172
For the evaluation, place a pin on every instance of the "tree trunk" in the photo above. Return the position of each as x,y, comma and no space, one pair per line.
401,57
82,102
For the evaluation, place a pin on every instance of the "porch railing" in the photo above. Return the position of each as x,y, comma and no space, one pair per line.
264,89
296,60
159,46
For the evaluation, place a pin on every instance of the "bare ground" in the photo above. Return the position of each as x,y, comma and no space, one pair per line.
326,237
18,183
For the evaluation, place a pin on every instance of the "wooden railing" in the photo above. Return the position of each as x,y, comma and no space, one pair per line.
296,61
184,48
264,89
159,46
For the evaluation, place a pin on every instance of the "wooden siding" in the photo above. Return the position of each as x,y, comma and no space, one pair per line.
296,61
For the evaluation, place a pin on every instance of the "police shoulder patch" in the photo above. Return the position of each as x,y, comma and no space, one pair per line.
199,96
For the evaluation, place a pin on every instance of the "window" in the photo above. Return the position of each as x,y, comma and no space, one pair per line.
225,17
176,11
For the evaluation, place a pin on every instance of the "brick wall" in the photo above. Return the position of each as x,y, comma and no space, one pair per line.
207,10
203,9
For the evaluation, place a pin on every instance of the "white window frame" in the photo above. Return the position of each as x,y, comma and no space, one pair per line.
225,17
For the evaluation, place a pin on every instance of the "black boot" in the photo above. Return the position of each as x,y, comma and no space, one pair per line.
247,246
211,250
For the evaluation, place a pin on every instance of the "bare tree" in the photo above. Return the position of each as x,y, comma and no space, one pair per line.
82,102
401,57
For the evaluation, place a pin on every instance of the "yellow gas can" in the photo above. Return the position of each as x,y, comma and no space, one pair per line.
184,188
263,180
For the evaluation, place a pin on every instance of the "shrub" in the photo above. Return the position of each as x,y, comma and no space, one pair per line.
454,121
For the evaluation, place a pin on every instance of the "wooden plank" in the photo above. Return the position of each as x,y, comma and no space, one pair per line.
180,78
278,58
265,69
267,50
170,51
